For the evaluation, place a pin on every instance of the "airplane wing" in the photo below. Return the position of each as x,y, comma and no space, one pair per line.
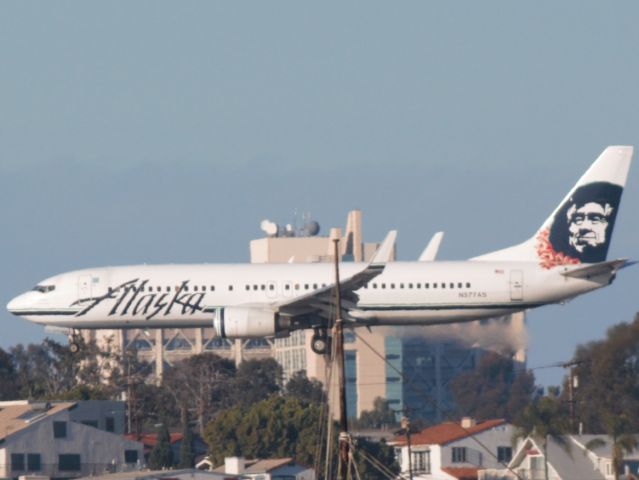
430,252
601,268
322,301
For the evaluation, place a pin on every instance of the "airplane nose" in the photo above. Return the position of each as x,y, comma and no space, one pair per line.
18,304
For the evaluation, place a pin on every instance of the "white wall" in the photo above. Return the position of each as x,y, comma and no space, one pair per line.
95,447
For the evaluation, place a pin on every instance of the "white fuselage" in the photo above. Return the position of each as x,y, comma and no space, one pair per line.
406,293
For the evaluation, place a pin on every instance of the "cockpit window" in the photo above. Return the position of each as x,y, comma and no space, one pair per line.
44,288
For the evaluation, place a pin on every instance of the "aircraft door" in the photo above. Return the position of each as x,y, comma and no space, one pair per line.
516,285
84,287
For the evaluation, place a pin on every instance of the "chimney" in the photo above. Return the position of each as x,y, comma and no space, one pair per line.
468,422
234,465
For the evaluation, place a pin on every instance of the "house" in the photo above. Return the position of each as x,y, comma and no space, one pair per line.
269,469
455,450
583,457
40,438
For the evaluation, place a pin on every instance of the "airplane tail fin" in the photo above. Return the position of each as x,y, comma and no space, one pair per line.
580,228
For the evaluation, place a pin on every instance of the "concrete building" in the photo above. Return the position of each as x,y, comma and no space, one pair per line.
455,450
42,439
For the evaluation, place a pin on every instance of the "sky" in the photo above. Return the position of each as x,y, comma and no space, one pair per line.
160,132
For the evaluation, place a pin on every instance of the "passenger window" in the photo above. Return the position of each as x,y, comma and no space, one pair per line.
159,289
195,288
306,286
315,286
443,285
230,288
383,285
287,287
434,285
254,287
297,286
212,288
374,285
248,287
452,285
168,289
392,285
410,285
468,285
459,285
401,285
271,287
262,287
419,285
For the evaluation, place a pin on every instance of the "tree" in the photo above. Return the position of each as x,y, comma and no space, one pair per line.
203,383
187,455
277,426
621,443
8,386
541,419
299,386
161,455
256,379
382,416
504,392
608,370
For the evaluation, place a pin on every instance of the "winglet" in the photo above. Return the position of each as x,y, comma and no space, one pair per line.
385,251
430,252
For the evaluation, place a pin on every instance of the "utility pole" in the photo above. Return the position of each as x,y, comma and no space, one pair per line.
573,383
338,333
405,424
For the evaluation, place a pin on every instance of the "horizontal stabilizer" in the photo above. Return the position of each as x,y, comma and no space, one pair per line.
601,268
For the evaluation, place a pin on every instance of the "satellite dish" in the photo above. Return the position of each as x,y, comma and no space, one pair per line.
312,228
268,227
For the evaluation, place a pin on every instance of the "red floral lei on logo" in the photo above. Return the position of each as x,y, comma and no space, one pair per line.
548,256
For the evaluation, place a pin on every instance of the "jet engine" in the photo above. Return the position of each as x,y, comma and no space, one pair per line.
246,322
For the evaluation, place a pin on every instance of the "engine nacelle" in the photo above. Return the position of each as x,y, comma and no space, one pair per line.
245,322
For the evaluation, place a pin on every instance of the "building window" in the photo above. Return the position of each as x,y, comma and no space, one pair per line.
421,461
59,429
459,454
69,462
504,454
109,424
17,462
130,456
34,462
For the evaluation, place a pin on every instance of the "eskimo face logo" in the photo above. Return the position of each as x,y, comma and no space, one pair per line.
581,229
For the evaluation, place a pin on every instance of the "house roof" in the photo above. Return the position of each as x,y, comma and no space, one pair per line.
461,473
261,466
567,459
16,416
448,432
150,439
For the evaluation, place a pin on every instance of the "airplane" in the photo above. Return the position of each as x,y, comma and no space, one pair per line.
566,257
